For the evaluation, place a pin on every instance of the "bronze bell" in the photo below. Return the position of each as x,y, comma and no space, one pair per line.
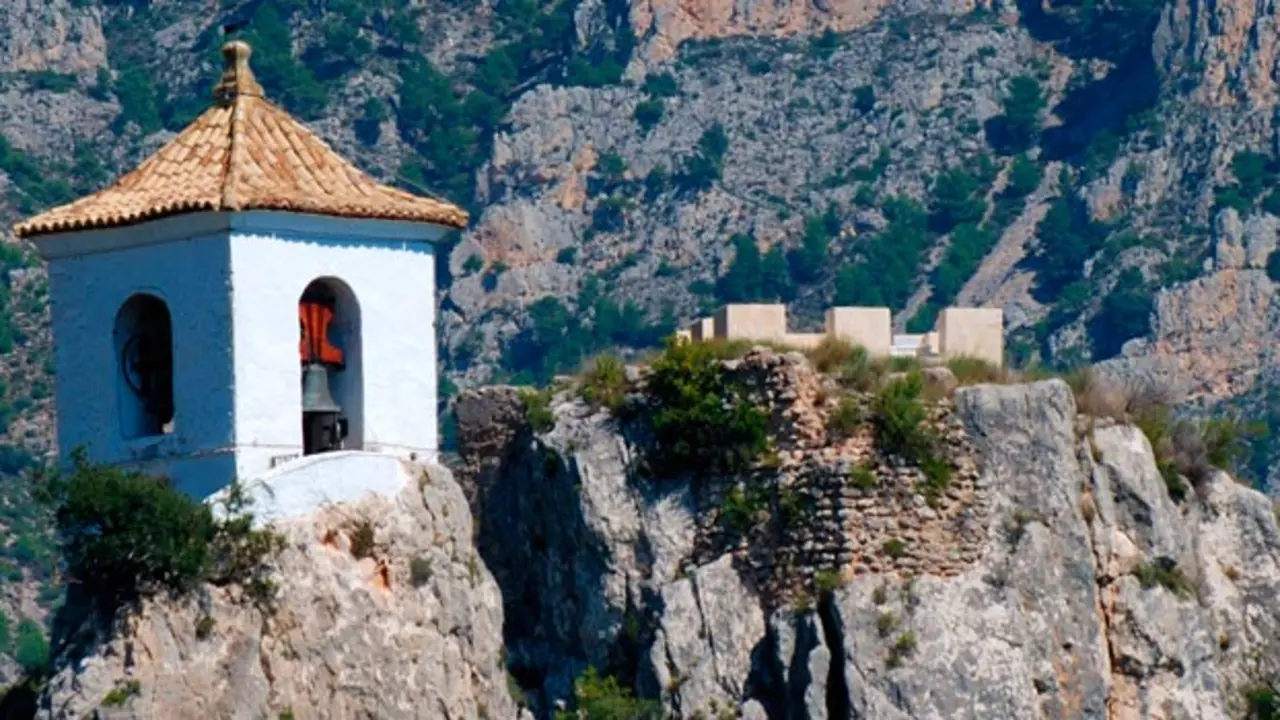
315,390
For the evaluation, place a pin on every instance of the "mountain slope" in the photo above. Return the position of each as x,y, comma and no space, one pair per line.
1097,169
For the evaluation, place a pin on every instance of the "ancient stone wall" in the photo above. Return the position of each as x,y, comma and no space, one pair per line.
832,507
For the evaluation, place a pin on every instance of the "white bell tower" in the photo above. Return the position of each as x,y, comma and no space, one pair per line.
246,303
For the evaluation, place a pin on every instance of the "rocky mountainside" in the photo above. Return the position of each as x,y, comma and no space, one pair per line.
1104,171
1058,575
630,166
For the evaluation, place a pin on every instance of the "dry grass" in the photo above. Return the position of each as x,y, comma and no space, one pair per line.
976,371
604,382
832,354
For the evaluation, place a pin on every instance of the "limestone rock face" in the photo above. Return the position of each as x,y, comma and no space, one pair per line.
1091,592
351,637
57,35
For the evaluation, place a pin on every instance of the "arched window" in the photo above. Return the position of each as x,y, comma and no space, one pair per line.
332,376
143,340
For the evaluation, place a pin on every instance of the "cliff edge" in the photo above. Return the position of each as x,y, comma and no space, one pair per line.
383,610
1058,577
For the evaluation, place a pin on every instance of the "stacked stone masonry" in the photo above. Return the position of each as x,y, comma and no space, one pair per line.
820,521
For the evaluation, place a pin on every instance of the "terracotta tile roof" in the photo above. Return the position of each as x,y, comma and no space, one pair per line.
242,154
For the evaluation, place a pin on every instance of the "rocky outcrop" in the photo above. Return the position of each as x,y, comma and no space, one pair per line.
407,626
1089,593
1211,336
54,35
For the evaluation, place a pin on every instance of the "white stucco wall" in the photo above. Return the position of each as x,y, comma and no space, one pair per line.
86,292
390,268
300,486
232,294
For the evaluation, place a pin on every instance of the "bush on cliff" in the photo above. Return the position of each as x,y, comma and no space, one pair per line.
701,419
603,698
902,428
125,536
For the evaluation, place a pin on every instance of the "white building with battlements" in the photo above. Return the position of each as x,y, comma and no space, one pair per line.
959,332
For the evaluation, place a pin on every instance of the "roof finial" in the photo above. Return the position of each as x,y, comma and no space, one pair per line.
237,77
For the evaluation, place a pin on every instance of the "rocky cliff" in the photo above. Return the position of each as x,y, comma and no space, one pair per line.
1104,171
1056,578
383,610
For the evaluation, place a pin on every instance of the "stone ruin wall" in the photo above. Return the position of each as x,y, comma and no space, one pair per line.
843,529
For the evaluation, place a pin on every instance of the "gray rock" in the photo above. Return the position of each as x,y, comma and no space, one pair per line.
702,651
1260,239
346,636
1228,248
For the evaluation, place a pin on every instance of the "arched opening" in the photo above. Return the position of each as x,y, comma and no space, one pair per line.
143,339
332,377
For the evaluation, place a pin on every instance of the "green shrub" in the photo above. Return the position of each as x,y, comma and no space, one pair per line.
701,420
603,698
864,98
661,85
886,621
125,536
1022,108
605,383
204,627
828,581
567,255
898,417
740,511
472,265
863,477
362,539
537,409
1263,701
894,548
792,505
833,353
1164,573
31,648
937,477
419,570
845,419
648,113
120,694
903,647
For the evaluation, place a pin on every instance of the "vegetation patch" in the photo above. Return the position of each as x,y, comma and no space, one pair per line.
900,421
122,693
1262,701
863,477
363,542
701,420
742,510
605,383
126,536
537,409
895,548
846,418
901,649
597,696
1164,573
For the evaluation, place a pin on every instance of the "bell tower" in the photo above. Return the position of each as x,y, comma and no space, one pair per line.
245,304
